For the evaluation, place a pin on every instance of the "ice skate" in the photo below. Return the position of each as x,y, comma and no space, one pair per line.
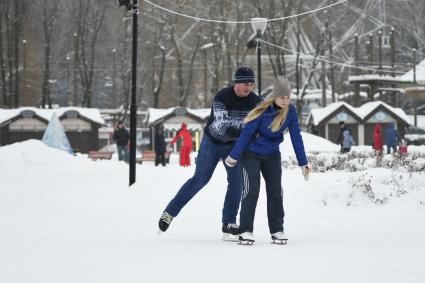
230,232
164,222
246,238
279,238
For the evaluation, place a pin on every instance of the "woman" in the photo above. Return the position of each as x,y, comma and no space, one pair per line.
258,150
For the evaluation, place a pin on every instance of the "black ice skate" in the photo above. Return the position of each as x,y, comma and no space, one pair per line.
164,222
279,238
246,238
230,232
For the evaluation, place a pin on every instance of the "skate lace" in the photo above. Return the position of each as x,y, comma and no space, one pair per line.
166,218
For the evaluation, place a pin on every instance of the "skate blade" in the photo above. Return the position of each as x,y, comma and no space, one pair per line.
229,237
246,242
279,242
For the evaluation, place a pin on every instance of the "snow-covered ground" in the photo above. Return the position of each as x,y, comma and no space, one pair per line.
69,219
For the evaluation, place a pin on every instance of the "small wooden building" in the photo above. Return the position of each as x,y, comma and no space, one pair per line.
81,125
325,121
361,121
172,118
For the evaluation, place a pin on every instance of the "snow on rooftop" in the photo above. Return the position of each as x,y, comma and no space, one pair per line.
89,113
320,113
157,113
367,108
420,73
420,120
202,113
373,78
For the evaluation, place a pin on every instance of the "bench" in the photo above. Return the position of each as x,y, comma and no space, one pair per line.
95,155
149,155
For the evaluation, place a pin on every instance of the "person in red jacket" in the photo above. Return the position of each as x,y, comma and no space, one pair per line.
378,143
186,147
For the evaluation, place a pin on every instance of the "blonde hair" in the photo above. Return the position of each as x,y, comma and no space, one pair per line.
257,111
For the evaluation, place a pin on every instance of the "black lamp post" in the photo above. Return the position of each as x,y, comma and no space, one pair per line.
259,26
133,107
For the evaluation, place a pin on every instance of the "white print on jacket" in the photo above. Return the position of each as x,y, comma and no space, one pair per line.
224,120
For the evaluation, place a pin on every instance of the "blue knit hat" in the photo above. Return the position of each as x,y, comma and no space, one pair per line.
244,75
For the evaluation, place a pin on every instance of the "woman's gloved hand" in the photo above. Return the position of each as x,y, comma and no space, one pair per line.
230,161
306,169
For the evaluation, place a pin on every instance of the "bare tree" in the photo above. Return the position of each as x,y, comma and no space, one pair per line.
90,17
11,16
51,10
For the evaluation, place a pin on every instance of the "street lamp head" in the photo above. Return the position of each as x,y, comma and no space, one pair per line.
125,3
259,25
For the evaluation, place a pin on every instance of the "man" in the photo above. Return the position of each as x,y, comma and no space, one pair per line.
230,106
121,137
160,146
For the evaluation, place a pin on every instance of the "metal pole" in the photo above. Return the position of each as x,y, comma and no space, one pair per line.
24,67
332,75
380,55
370,52
357,72
259,60
114,75
414,66
415,110
133,106
74,71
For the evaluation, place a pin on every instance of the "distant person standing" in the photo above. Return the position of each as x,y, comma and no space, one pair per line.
342,128
378,144
348,142
186,147
160,146
391,138
402,149
121,137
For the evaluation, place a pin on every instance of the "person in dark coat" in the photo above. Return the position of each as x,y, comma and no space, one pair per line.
160,146
229,108
391,138
342,128
121,137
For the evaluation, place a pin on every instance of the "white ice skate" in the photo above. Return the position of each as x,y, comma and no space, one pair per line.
246,238
279,238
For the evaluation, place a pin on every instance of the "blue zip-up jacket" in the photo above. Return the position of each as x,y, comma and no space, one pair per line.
257,136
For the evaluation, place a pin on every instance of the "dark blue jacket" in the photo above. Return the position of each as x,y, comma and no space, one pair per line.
391,135
257,136
227,113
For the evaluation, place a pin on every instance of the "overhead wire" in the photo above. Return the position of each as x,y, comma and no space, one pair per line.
343,64
243,22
